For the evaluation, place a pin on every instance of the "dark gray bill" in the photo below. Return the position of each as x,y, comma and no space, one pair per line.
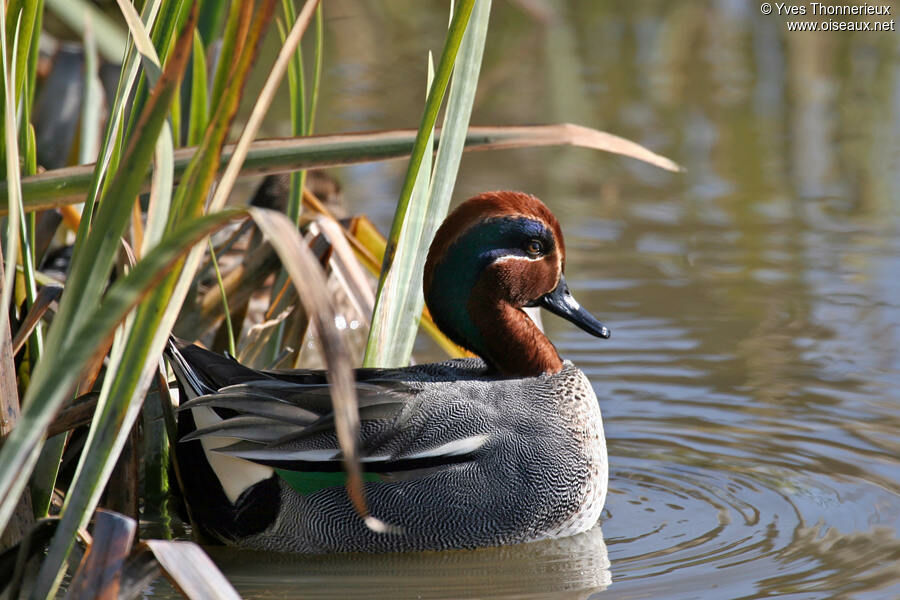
561,302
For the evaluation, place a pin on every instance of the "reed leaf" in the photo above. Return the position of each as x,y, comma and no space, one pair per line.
23,516
141,38
347,268
104,441
111,148
266,95
10,401
193,189
308,277
318,58
46,295
192,572
395,318
46,469
92,100
235,31
301,125
369,245
135,354
199,109
69,185
25,15
88,277
163,156
161,185
170,17
392,343
455,33
13,175
221,285
98,574
110,37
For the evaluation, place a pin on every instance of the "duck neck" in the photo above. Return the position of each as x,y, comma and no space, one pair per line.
511,342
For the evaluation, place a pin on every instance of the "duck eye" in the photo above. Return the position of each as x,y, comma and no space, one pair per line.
535,247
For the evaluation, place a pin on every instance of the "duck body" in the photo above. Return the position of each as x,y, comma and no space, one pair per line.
459,454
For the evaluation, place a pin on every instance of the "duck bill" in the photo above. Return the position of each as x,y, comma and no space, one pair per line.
561,302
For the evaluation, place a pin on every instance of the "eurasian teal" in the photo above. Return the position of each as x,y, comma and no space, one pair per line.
463,453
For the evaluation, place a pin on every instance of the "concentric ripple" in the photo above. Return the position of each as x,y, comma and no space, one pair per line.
724,489
674,529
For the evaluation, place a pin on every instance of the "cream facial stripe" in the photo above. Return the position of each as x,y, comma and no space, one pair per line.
514,257
518,257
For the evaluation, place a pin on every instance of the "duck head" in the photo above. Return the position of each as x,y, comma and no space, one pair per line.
495,254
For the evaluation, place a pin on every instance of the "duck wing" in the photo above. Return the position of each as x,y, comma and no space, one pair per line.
285,419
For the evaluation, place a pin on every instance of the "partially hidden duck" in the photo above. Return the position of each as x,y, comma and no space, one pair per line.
500,449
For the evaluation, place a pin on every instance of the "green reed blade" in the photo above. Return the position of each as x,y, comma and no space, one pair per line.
136,351
393,326
13,175
238,18
92,98
105,438
27,13
14,203
389,315
170,18
87,279
199,110
319,58
221,284
111,40
429,118
69,185
397,333
162,176
111,149
301,125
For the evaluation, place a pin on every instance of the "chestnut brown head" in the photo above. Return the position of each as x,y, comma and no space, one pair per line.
495,254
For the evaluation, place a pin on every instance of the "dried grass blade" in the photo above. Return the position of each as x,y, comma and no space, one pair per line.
358,288
191,571
311,282
47,295
98,575
565,134
223,190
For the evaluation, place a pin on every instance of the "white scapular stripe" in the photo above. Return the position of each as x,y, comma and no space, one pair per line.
454,448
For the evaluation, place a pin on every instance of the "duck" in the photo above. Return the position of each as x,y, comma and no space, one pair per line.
500,449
